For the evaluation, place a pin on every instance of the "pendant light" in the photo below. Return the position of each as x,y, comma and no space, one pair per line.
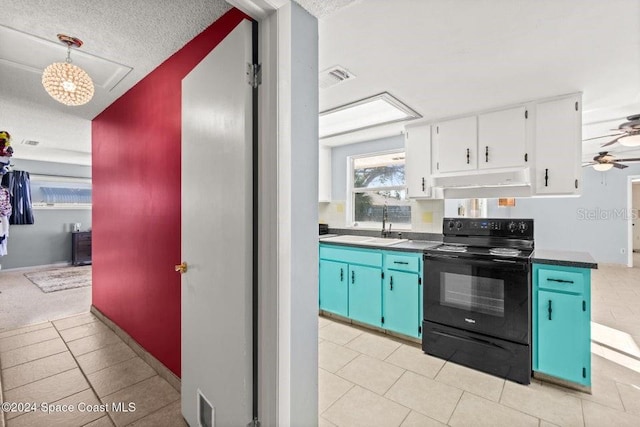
65,82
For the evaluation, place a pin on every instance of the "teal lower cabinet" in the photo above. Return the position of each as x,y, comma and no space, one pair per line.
365,294
334,287
562,322
401,302
372,286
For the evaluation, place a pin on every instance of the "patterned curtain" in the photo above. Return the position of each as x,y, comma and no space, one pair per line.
19,185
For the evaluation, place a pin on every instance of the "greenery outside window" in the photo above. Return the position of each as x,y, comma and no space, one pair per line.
376,181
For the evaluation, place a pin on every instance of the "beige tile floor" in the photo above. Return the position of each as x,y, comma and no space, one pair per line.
80,360
365,379
369,379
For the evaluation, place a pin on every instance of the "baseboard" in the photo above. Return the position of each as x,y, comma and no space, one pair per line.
158,366
39,267
2,413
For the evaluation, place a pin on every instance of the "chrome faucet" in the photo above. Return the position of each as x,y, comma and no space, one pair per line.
385,218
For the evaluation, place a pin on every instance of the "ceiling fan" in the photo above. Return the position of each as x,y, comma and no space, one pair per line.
605,161
628,133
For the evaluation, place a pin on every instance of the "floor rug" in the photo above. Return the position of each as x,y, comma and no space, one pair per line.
61,278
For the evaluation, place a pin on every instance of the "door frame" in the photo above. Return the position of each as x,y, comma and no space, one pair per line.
630,180
287,316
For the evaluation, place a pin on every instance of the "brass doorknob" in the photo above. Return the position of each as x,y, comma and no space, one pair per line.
182,268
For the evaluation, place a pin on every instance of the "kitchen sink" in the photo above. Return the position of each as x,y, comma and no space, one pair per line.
364,240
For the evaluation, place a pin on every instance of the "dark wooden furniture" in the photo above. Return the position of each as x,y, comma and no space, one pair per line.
81,247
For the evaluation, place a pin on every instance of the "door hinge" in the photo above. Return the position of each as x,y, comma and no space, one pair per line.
254,423
254,75
526,114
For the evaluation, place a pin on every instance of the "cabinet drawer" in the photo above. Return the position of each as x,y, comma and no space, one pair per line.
402,263
351,256
560,280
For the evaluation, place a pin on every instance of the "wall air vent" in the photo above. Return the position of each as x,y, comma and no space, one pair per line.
334,75
30,142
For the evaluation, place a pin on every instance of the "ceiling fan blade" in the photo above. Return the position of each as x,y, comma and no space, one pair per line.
584,165
619,166
613,141
635,159
603,136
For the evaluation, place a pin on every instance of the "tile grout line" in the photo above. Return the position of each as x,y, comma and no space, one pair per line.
157,410
504,384
455,407
615,383
32,360
84,375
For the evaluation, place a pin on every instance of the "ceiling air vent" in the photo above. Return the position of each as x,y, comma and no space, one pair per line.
30,142
334,75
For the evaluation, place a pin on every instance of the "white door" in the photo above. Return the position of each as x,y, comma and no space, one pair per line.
217,236
558,146
417,147
457,141
502,138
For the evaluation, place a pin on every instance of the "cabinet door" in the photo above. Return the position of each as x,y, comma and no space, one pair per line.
417,146
558,146
324,175
502,138
334,291
401,302
365,294
457,142
563,344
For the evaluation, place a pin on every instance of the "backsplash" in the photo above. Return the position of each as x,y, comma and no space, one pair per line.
426,216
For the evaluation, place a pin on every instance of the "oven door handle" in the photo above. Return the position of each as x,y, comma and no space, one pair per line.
505,264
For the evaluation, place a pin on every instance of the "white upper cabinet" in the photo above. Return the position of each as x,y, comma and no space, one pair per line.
502,139
417,145
558,147
324,176
456,144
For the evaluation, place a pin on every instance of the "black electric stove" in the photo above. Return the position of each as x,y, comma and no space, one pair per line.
477,309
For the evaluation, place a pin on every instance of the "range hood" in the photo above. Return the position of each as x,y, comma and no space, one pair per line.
503,183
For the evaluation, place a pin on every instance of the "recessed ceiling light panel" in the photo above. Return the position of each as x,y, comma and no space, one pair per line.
374,111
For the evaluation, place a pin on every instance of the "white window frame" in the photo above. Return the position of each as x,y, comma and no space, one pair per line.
350,202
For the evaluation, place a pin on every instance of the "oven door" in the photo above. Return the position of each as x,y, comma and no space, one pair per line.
488,296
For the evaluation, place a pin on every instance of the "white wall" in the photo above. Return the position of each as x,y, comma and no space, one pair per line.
594,222
636,222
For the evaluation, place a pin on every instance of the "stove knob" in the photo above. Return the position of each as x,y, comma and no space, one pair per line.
458,225
522,226
511,227
451,224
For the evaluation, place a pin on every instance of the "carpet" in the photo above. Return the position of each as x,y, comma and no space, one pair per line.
61,278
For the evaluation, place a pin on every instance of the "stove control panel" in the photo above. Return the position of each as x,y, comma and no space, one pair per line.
498,227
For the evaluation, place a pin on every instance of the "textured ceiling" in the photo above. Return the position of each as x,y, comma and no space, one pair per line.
447,58
140,34
322,8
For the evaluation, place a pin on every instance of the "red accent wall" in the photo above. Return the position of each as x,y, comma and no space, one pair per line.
136,201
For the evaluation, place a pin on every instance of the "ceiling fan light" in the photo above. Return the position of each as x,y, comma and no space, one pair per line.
630,140
603,167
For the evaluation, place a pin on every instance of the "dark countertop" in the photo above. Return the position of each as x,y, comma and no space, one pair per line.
408,246
566,258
